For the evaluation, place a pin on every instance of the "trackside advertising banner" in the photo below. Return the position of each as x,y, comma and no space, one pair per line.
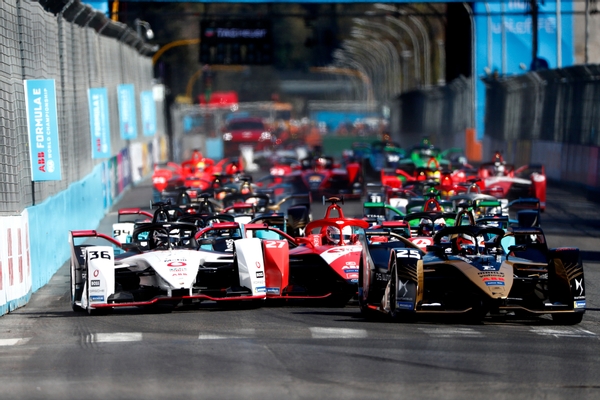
148,113
127,112
42,125
99,122
15,265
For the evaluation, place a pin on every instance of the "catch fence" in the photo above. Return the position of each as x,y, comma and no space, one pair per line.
80,48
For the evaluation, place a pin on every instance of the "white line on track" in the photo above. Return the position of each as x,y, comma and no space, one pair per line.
115,337
337,333
14,341
235,334
562,332
451,332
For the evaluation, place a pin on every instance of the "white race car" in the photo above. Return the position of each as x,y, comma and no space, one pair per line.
164,265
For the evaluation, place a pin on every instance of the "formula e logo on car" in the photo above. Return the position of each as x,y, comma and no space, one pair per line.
579,286
94,283
260,274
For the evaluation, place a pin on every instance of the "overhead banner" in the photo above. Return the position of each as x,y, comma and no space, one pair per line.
99,122
127,113
42,125
148,113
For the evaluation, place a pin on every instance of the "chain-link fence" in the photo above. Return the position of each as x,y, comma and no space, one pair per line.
559,105
80,48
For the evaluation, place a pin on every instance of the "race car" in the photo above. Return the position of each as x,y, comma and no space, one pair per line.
196,173
326,261
321,176
378,212
329,273
375,156
503,181
163,266
475,271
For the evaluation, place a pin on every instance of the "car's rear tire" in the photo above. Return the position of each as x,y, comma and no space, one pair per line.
74,306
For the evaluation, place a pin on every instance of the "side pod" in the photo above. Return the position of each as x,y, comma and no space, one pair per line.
277,266
407,279
251,267
100,279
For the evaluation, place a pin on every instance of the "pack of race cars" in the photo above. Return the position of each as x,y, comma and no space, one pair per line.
423,247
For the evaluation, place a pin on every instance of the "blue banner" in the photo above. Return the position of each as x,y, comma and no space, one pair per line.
127,112
503,32
42,125
99,122
148,113
100,5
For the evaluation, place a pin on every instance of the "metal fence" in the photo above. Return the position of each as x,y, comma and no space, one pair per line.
559,105
79,48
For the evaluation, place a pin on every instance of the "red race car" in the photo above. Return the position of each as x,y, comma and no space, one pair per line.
197,173
503,181
321,176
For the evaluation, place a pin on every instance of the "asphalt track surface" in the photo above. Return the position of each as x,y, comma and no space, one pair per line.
48,351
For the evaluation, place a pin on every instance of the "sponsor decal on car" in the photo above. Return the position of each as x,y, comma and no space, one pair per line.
260,274
491,273
493,280
404,305
350,271
579,304
382,277
175,263
94,283
96,298
273,290
261,289
351,276
178,271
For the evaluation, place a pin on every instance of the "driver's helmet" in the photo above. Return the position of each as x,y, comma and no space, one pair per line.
333,234
499,168
467,245
439,224
232,168
425,227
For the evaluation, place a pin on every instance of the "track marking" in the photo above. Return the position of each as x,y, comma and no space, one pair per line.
115,337
451,332
236,334
562,332
337,333
14,341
